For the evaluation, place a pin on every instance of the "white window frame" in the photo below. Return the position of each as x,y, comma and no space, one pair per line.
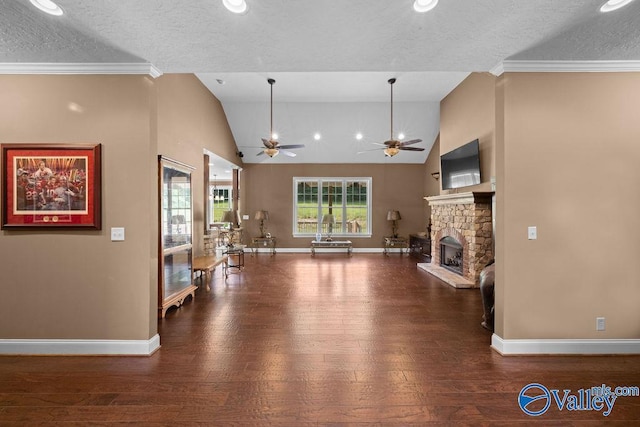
229,199
320,180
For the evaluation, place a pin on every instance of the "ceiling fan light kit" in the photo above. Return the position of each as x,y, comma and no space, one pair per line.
391,151
271,152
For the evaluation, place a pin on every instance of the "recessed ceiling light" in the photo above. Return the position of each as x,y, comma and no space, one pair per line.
612,5
401,135
274,136
236,6
424,5
47,6
358,136
317,136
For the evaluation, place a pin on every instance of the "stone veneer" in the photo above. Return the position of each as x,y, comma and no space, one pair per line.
467,218
209,244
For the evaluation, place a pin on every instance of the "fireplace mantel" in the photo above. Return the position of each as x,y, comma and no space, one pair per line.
460,198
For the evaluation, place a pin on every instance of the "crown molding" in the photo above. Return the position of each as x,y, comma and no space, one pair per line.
498,69
80,68
525,66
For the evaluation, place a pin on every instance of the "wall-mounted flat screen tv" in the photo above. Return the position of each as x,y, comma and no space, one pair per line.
461,167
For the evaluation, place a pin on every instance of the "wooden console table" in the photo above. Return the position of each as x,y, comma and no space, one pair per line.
331,244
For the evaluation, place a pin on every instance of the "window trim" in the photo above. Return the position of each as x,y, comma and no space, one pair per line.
320,181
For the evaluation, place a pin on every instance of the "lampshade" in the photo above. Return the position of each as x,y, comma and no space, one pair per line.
328,219
262,215
230,216
393,216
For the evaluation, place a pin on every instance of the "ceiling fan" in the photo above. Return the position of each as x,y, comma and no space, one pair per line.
393,146
272,147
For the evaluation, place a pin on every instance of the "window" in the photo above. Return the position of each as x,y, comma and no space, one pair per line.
220,197
348,200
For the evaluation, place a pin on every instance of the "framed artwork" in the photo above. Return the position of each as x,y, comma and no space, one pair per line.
51,186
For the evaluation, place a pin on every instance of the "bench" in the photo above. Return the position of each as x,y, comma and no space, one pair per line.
206,264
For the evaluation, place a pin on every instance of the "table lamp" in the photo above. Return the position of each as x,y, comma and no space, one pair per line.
330,220
394,217
262,216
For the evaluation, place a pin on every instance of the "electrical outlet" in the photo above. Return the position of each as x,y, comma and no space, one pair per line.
117,234
245,217
532,232
600,324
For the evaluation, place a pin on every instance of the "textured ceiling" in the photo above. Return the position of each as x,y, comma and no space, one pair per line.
331,59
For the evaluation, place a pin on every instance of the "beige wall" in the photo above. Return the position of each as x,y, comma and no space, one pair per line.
78,284
467,113
566,157
64,284
570,151
191,119
431,185
399,187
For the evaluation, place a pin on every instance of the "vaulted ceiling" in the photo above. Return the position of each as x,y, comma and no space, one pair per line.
331,59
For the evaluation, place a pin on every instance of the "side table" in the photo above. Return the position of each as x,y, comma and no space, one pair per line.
395,242
263,242
235,259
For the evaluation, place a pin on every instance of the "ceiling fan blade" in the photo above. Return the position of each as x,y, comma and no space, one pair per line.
378,143
269,144
373,149
260,153
291,146
413,141
288,153
411,148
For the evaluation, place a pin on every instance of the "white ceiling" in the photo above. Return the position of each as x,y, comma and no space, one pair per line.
331,59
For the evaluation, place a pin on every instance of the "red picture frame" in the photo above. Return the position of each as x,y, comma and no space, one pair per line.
51,186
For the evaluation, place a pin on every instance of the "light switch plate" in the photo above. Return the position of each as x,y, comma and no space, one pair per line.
245,217
117,234
532,232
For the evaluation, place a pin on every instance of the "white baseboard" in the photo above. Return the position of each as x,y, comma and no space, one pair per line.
565,346
80,347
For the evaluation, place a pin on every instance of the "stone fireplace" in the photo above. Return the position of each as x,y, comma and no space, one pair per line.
461,237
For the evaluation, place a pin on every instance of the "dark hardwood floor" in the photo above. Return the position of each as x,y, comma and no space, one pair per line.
330,340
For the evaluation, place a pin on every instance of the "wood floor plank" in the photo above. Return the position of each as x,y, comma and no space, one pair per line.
297,341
